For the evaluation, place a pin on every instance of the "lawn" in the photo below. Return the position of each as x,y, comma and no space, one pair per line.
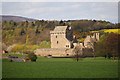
61,68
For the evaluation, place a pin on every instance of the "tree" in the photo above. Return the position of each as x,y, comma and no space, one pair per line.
62,23
77,52
108,45
37,31
111,44
92,48
22,32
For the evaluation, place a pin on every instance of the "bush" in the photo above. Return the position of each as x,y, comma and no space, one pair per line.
32,56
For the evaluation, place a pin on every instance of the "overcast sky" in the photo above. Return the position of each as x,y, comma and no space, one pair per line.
63,10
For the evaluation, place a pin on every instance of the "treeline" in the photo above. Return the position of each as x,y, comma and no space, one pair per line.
79,25
35,32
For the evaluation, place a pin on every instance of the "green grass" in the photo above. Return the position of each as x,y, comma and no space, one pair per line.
61,68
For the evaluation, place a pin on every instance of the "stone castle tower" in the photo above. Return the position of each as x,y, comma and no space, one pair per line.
61,37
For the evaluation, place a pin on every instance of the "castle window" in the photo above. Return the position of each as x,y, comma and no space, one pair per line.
67,45
67,54
56,36
57,42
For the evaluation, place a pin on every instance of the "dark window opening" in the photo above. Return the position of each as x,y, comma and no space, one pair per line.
49,55
67,45
57,42
56,36
67,54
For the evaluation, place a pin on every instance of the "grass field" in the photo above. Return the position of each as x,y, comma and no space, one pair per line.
61,68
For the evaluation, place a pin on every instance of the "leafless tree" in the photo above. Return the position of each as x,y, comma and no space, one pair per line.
92,48
77,52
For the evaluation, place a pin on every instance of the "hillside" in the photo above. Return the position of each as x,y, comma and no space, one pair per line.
38,31
15,18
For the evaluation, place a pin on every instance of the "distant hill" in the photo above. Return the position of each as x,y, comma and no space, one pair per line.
15,18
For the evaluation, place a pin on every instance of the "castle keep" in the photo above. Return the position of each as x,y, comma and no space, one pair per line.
63,42
61,37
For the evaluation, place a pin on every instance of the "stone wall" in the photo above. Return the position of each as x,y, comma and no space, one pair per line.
53,52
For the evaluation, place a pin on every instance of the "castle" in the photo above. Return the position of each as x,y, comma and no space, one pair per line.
62,37
63,42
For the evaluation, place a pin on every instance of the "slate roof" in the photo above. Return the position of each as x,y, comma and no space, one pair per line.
60,28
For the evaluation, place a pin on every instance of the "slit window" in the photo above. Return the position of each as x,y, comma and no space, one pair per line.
67,45
57,42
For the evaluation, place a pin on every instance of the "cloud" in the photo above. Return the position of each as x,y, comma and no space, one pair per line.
60,0
63,10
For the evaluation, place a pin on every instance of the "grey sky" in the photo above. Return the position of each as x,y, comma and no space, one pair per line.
63,10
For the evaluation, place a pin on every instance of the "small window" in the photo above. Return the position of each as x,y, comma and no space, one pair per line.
67,45
67,54
57,42
56,36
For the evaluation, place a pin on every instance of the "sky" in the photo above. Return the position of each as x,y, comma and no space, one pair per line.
107,11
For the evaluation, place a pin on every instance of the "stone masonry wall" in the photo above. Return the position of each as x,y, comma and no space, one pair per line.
53,52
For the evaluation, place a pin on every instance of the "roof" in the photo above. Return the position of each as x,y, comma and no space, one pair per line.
60,28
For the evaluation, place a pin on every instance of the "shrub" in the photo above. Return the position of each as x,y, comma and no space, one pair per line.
32,56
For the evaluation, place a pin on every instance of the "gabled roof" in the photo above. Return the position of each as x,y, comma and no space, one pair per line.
60,28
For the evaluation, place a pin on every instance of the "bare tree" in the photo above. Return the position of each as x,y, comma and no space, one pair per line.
92,48
77,52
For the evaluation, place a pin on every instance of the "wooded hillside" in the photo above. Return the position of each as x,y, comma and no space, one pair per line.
35,32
